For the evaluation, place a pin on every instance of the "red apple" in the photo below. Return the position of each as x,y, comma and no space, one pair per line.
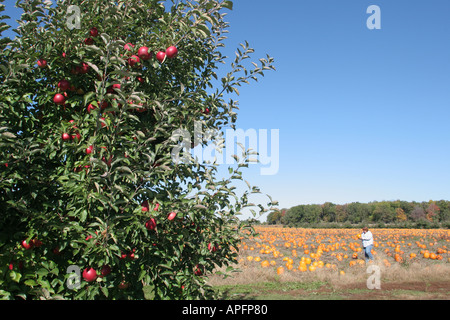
102,123
145,206
144,54
172,216
105,270
27,245
151,224
65,136
89,149
84,68
128,46
197,270
156,207
161,56
11,265
112,88
104,105
42,63
171,52
140,79
89,41
77,136
211,247
64,85
90,107
36,242
133,60
89,274
59,99
93,32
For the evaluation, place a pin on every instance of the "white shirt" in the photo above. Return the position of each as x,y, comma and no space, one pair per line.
367,239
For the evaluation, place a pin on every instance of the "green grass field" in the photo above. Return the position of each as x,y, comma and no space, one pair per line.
318,290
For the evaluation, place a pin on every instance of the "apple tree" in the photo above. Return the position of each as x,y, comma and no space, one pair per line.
93,204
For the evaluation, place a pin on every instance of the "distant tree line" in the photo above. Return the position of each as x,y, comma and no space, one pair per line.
379,213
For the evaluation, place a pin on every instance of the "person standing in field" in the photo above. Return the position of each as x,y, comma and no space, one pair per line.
367,242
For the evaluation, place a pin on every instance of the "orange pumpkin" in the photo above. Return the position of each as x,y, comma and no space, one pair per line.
280,270
302,267
265,264
398,258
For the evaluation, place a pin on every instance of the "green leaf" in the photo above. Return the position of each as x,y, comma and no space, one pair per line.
124,169
87,97
83,215
30,283
15,276
9,135
95,68
228,4
106,38
42,272
204,29
104,291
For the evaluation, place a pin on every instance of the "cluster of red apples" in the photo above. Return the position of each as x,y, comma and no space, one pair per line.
143,53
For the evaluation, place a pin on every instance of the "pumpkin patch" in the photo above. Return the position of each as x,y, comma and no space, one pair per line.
339,250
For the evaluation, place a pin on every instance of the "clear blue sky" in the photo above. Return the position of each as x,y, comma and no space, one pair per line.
363,114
